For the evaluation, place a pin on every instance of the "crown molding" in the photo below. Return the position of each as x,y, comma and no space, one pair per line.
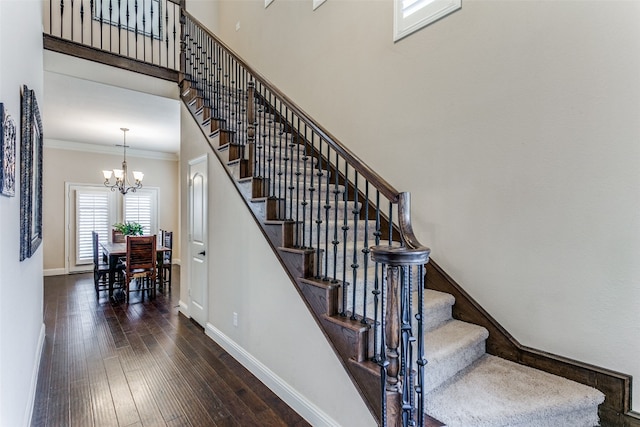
105,149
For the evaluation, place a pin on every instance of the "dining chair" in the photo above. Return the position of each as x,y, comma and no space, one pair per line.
140,265
100,268
167,242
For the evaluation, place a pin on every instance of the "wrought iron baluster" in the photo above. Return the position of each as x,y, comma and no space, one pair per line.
128,27
135,12
101,24
270,140
354,264
110,25
284,149
233,94
365,252
210,76
61,18
277,136
420,359
174,34
151,30
295,143
406,343
319,208
82,22
218,90
119,29
73,11
335,242
144,30
166,32
390,223
327,208
244,103
263,131
345,230
288,173
377,289
383,362
305,159
312,189
298,173
159,31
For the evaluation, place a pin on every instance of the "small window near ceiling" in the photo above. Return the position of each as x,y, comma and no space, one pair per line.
317,3
411,15
142,207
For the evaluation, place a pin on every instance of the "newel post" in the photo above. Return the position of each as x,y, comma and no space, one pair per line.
403,362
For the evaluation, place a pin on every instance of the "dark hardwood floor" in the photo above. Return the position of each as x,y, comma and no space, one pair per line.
140,364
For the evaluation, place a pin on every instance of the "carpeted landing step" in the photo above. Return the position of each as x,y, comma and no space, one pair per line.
494,392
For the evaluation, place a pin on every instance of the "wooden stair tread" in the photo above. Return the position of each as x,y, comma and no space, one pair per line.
348,323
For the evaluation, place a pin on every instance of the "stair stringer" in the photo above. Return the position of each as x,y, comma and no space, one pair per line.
340,333
349,339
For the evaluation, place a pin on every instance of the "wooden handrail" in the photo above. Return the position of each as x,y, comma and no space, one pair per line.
376,180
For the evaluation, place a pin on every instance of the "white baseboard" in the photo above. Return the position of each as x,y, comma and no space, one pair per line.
307,409
34,377
54,272
183,308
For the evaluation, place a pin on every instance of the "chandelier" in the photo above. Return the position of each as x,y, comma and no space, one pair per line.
122,179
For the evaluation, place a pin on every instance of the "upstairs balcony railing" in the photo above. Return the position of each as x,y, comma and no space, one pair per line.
333,207
147,32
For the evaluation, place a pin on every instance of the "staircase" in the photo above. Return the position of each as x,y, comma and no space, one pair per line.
331,221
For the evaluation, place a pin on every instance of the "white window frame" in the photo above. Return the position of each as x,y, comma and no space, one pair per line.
74,264
116,214
153,194
317,3
411,15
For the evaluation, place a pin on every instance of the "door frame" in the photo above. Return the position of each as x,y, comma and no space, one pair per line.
205,303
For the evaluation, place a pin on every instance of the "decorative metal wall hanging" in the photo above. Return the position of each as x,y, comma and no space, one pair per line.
7,153
30,175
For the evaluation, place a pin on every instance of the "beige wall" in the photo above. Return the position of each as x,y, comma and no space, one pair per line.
514,124
79,167
21,298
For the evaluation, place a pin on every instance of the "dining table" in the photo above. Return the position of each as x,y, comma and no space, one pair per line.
114,251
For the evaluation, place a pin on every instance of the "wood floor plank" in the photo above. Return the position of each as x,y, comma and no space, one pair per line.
123,402
241,400
186,398
148,410
140,364
104,413
80,413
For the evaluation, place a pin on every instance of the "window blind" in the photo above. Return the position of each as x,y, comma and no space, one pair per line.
92,213
141,207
